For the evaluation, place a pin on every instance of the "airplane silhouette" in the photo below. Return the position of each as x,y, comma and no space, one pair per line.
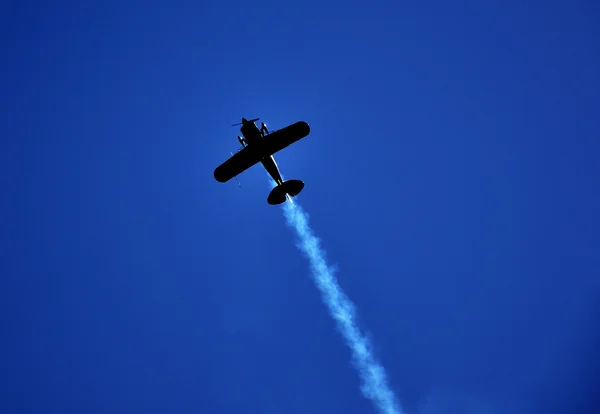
259,146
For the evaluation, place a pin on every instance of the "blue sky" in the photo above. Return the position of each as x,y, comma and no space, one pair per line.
450,174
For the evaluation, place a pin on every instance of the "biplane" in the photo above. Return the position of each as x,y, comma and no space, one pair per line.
259,146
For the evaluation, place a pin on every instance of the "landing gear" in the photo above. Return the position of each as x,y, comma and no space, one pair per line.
263,129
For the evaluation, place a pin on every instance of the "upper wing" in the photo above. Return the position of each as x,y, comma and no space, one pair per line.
238,163
278,140
252,154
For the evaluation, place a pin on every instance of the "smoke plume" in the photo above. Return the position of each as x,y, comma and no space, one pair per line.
373,378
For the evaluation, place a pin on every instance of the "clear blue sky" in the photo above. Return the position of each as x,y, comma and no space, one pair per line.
451,173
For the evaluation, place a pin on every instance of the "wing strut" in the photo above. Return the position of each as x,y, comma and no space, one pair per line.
236,175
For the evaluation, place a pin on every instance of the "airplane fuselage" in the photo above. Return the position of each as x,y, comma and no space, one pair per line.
250,132
252,136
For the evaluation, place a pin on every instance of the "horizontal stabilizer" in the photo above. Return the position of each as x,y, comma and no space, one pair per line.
289,187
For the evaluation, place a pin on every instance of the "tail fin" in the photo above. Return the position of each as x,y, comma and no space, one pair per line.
289,187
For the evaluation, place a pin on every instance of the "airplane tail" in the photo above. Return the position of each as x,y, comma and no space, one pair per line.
279,194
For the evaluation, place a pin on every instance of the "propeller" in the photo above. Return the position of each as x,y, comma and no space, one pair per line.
244,121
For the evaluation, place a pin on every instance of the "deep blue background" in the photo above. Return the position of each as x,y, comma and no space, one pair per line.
451,173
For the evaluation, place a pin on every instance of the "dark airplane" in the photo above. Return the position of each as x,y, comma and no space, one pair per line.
259,146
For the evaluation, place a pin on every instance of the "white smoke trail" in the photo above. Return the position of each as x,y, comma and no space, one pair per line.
374,382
